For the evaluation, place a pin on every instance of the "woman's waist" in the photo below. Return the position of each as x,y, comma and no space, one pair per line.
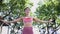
27,24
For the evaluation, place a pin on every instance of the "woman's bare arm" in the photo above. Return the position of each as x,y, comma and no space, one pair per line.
15,20
38,20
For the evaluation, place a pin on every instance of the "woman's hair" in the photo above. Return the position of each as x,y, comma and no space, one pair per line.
26,8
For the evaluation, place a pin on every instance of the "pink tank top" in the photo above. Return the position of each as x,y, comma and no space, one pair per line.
27,20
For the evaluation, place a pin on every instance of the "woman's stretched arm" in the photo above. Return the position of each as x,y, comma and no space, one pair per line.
38,20
15,20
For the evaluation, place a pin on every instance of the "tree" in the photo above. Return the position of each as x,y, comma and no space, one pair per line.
13,9
50,9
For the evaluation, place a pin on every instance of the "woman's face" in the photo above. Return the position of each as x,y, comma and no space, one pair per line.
27,11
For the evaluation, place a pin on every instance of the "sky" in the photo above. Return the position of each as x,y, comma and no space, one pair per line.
35,4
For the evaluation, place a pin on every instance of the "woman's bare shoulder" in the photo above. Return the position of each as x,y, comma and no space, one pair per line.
22,17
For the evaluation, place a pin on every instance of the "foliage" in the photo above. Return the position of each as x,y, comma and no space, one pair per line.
49,9
14,8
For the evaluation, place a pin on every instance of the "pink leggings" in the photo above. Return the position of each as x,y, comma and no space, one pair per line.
27,30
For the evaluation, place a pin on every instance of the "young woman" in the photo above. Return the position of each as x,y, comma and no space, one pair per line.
27,20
